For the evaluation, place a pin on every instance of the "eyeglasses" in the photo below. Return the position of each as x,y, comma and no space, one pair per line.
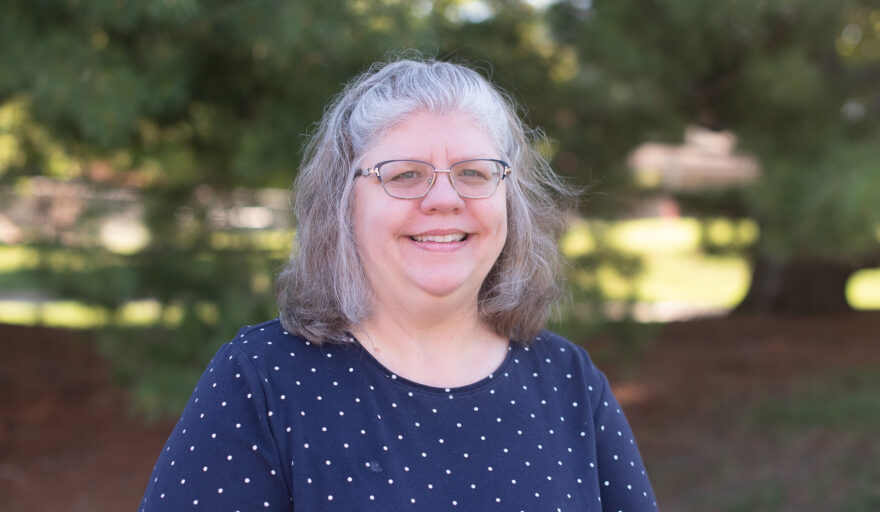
412,179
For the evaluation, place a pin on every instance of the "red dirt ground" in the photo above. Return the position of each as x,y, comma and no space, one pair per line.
67,443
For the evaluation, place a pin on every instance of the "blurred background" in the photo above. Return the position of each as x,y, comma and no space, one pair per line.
724,267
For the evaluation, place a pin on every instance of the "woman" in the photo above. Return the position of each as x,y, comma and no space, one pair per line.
408,369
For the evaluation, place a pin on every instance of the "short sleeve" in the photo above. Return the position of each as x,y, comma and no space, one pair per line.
222,453
623,481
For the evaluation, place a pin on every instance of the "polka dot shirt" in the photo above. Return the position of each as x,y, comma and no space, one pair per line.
277,423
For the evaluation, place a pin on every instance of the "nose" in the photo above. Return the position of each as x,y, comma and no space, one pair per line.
442,197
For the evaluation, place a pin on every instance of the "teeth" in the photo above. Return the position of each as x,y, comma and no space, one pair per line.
457,237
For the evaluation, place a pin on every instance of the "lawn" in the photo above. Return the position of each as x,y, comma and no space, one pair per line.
760,414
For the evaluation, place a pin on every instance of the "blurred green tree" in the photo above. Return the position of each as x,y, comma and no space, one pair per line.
189,101
797,80
185,101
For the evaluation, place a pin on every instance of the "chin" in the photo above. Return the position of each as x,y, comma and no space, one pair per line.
442,287
439,291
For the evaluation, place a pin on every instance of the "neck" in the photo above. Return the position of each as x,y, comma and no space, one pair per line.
436,346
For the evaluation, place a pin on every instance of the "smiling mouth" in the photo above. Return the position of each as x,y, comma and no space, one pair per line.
456,237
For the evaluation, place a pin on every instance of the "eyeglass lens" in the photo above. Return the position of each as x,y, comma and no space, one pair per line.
409,179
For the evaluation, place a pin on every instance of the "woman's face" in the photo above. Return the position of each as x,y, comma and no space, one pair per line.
441,245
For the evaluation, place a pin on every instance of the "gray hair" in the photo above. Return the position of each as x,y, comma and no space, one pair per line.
323,291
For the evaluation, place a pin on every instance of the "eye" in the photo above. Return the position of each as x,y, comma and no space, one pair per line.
476,171
404,172
473,173
405,175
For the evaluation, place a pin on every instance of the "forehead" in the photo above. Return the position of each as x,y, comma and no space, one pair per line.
424,134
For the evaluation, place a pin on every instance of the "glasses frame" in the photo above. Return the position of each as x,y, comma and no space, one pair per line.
506,170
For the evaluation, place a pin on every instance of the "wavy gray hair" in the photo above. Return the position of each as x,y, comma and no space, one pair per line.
322,291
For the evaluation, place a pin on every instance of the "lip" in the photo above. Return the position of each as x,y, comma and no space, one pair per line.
440,232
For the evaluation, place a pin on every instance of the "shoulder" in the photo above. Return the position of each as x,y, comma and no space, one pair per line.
572,366
269,340
264,332
551,345
267,347
270,348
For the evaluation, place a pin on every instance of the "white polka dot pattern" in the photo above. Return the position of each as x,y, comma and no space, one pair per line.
277,423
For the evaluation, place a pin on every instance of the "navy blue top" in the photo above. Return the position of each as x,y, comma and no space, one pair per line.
277,423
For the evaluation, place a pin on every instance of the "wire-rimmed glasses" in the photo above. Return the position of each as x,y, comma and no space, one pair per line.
412,179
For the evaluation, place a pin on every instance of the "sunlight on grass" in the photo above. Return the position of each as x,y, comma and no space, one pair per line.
863,289
705,281
17,257
641,236
52,314
694,278
271,240
62,313
675,268
578,240
141,312
656,236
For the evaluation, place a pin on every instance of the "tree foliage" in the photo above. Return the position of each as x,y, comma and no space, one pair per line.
186,100
798,81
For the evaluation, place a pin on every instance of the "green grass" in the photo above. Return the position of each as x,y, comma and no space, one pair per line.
809,444
53,314
863,289
849,402
674,267
866,495
16,257
836,416
763,496
72,314
677,270
694,278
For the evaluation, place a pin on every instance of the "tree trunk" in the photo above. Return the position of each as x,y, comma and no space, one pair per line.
799,287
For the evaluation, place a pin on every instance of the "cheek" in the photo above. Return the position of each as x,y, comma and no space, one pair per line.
496,218
373,222
501,233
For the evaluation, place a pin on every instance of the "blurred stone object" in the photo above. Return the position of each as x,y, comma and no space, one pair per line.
9,232
81,213
706,160
46,209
